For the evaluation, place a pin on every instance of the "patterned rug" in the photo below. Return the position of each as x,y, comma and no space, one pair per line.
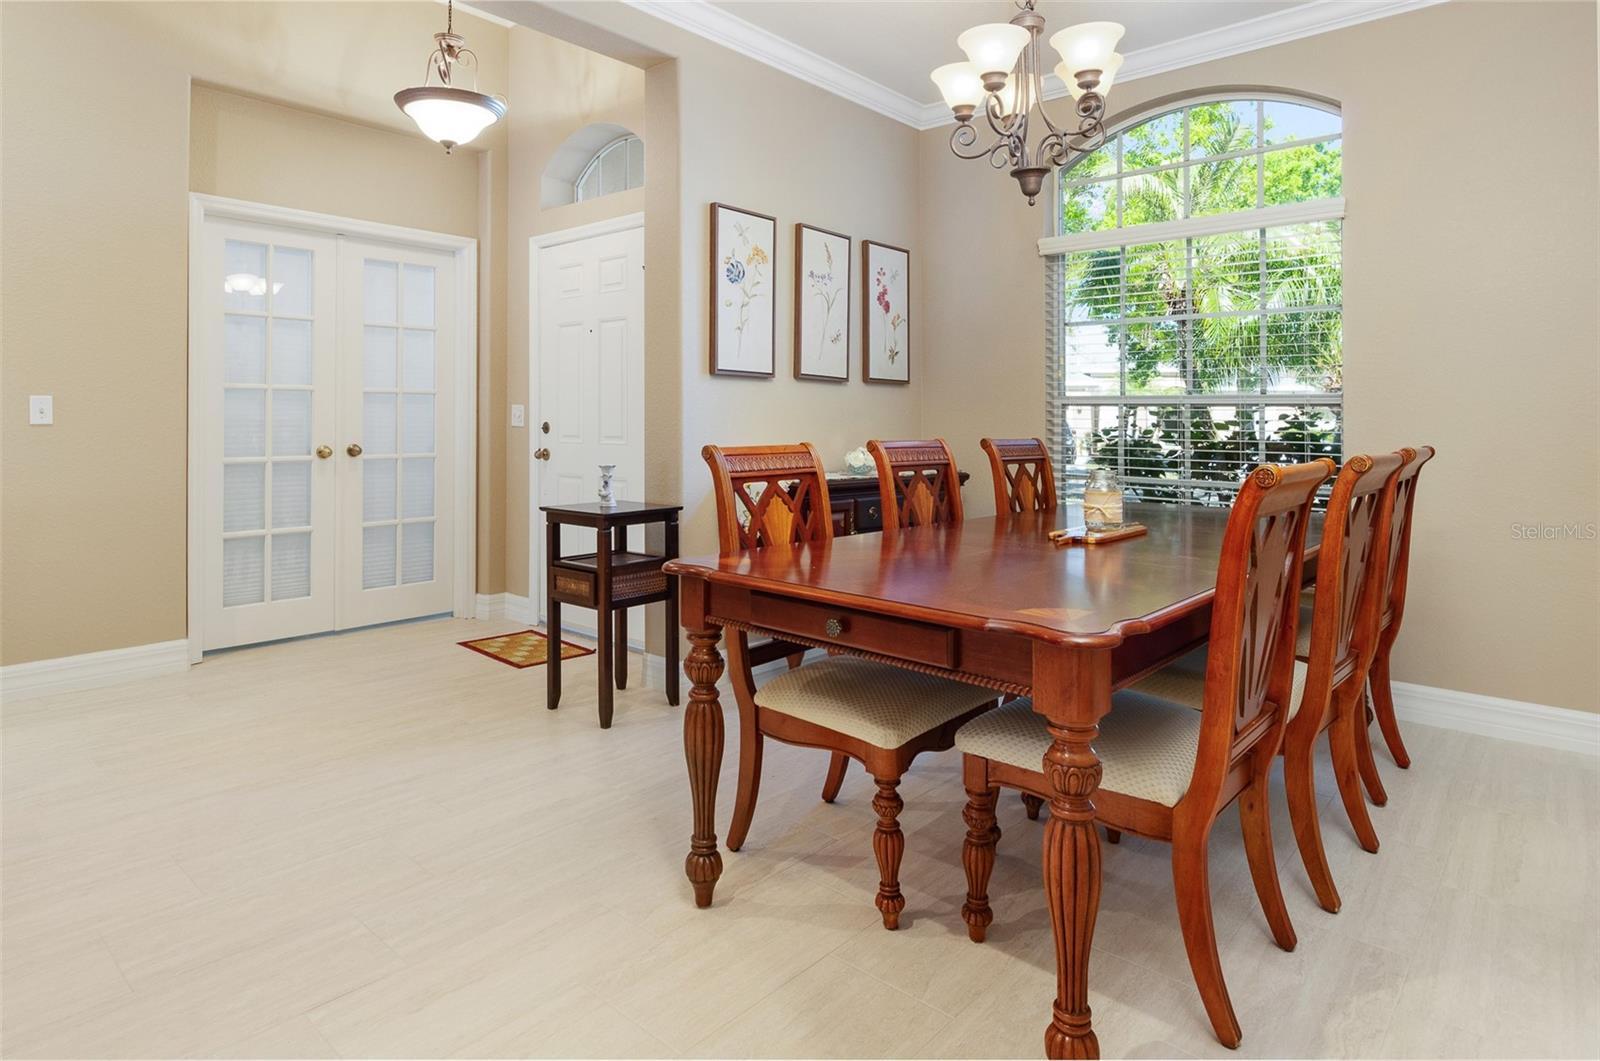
525,648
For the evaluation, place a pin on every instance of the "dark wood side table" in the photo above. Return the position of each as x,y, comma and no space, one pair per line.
610,580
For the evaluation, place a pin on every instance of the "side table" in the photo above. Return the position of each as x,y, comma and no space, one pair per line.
610,580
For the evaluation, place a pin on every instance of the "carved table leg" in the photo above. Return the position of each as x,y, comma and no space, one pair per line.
702,748
1072,689
1033,804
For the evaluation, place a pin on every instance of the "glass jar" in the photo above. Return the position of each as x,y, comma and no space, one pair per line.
1102,500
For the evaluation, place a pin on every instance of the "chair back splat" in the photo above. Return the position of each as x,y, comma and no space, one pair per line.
1023,478
917,483
1250,665
768,495
1400,532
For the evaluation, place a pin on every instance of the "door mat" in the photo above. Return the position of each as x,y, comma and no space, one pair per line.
525,648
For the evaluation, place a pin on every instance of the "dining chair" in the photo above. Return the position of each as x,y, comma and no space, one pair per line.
1023,478
1394,596
1332,661
881,715
918,483
1167,771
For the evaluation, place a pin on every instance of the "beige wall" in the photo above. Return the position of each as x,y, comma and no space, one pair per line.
94,239
1470,315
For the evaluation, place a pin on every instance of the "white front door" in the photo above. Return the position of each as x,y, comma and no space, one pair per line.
398,323
325,367
588,322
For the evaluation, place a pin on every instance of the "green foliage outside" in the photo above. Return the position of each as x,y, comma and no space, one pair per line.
1146,296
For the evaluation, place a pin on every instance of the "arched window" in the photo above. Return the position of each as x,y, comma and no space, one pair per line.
598,159
1194,317
616,167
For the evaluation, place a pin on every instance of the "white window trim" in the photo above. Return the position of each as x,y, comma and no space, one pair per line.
1190,227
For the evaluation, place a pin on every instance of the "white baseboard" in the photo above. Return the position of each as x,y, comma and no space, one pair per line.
92,669
1493,716
504,606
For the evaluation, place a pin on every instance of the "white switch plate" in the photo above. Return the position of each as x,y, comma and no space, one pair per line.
41,409
519,416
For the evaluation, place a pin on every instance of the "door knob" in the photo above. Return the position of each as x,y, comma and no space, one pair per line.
541,453
544,428
354,449
324,452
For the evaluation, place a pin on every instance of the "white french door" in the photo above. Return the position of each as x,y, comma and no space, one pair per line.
323,367
588,320
397,313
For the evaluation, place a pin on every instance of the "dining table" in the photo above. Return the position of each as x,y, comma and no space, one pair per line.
994,602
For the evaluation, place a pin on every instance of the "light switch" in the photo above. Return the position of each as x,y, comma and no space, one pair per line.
41,409
519,416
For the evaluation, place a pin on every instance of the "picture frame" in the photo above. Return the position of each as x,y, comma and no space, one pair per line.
885,313
821,304
743,283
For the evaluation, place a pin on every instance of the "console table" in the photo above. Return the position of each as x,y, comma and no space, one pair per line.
610,580
855,504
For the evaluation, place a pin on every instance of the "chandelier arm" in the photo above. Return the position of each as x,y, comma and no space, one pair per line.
964,136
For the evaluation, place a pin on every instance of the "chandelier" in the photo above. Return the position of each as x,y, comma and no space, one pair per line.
1002,75
450,115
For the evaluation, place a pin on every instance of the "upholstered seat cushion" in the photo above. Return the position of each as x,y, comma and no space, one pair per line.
874,702
1183,681
1147,746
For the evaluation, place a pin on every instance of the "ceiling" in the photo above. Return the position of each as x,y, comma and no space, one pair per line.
897,43
878,52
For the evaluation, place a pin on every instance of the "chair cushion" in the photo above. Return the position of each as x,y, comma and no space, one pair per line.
1183,681
885,706
1147,746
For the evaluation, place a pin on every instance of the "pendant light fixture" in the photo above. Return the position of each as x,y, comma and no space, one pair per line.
450,115
1003,81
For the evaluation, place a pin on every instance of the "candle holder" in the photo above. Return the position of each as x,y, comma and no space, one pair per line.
606,472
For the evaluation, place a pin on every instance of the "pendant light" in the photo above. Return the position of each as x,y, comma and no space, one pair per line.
450,115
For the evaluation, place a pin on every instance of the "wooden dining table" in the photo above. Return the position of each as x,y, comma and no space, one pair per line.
993,602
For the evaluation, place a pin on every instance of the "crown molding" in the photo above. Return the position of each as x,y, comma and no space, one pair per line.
721,26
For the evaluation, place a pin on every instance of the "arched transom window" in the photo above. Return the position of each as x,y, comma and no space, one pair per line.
617,167
1193,318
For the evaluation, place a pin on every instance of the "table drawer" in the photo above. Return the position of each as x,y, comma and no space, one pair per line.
869,515
902,638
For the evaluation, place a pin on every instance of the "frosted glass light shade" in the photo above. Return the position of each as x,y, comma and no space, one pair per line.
452,116
994,46
1108,74
959,84
1087,46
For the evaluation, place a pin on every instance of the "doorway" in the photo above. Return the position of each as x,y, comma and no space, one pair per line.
332,382
586,367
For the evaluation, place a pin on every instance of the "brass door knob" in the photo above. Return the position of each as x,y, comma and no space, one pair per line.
324,452
354,449
541,453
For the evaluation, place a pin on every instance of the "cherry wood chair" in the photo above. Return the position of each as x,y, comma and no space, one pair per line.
917,483
1168,771
1333,660
880,715
1394,607
1024,481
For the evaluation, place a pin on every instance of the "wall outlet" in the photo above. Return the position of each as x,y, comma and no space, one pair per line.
41,409
519,416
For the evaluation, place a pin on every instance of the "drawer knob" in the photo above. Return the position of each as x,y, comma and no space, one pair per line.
834,627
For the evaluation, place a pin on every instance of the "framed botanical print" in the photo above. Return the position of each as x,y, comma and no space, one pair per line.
885,313
821,304
744,330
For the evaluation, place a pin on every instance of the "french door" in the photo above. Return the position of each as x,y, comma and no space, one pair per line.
325,370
